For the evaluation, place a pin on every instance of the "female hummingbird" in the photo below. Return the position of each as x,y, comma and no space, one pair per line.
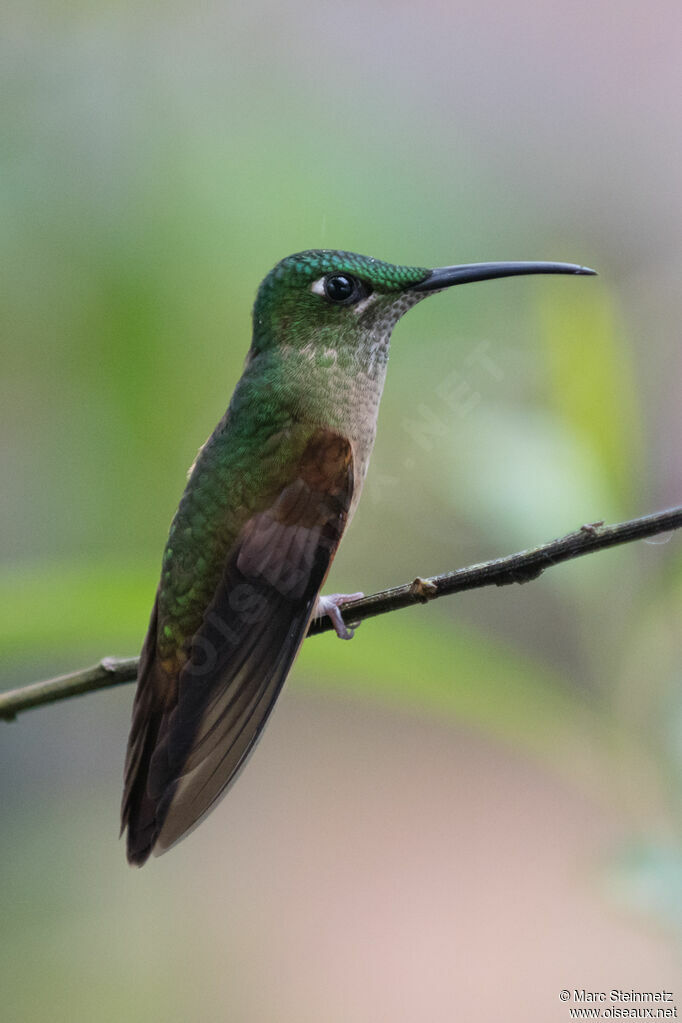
266,504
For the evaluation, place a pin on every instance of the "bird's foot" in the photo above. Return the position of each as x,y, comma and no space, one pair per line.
330,606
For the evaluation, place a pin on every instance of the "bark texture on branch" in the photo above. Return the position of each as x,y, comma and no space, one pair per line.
515,568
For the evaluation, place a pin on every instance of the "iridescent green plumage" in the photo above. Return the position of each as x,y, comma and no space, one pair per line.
222,495
302,266
247,458
265,507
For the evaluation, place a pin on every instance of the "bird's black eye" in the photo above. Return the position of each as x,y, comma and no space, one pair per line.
342,288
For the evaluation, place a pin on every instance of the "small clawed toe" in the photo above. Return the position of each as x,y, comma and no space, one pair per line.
330,606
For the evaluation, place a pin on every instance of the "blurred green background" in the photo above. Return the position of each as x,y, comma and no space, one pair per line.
480,794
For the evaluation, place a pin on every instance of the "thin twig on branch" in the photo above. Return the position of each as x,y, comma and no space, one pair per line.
515,568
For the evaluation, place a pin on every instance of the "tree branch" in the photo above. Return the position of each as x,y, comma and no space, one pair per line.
515,568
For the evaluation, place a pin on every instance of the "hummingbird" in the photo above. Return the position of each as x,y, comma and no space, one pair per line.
269,497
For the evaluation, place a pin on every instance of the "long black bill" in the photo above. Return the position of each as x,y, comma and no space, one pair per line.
446,276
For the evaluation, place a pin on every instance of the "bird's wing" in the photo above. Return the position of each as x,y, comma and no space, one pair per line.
191,734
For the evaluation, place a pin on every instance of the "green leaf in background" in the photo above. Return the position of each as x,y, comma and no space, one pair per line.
591,383
49,610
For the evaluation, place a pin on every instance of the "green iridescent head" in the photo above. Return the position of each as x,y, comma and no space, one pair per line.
313,295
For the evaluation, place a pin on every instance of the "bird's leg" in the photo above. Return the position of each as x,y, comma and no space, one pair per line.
330,606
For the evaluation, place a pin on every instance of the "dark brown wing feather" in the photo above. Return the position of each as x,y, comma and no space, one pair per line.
191,735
